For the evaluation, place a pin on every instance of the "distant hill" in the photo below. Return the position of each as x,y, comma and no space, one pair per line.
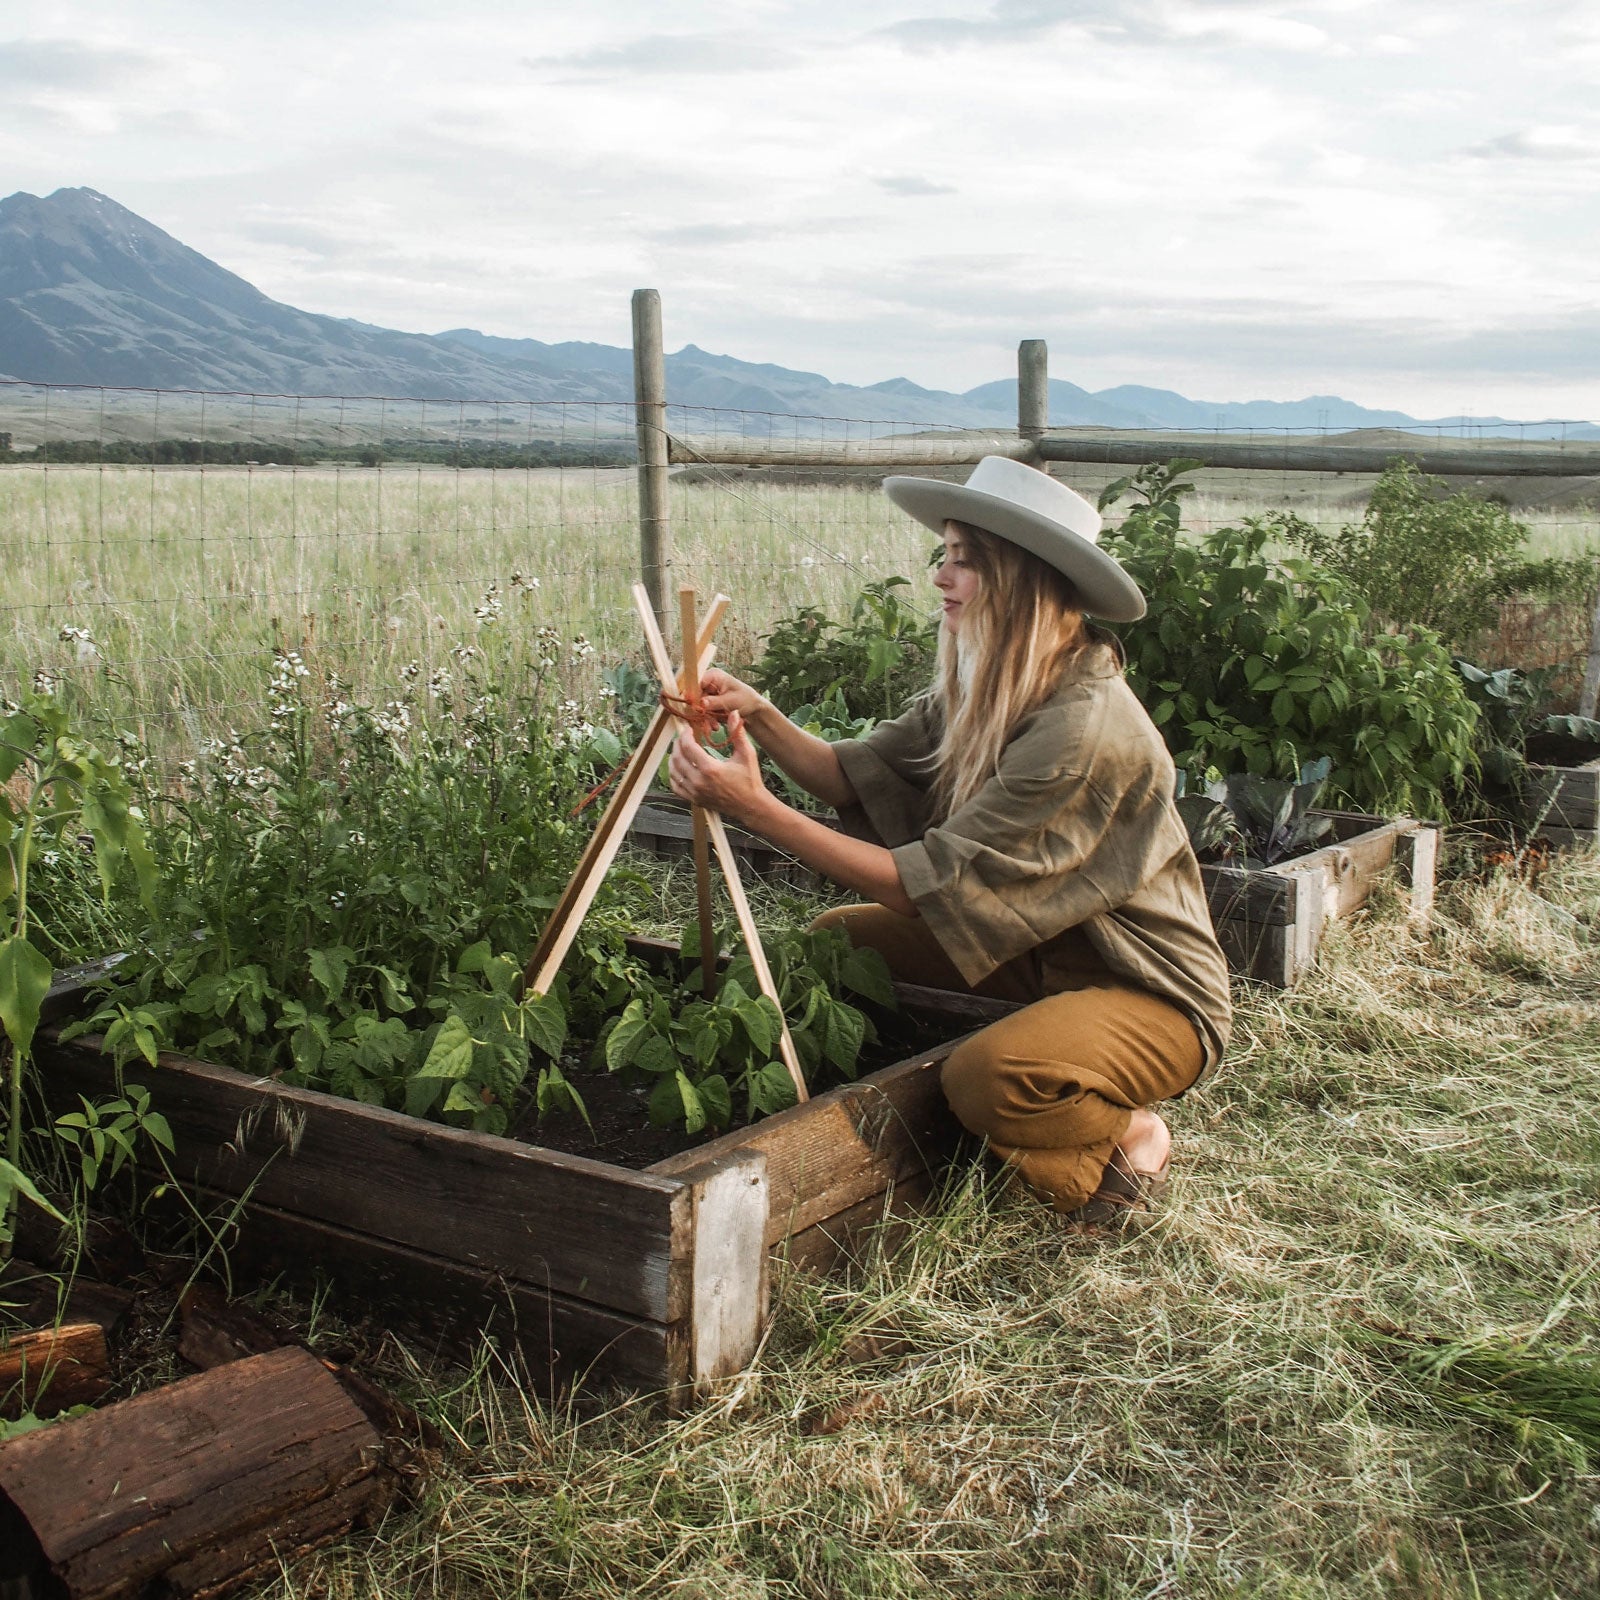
90,293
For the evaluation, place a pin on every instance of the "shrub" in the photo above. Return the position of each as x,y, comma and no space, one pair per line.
873,663
348,894
1255,664
1423,559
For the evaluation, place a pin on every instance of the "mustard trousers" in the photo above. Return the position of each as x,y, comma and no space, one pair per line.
1053,1086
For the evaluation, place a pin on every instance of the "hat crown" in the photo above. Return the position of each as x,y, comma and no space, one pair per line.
1032,490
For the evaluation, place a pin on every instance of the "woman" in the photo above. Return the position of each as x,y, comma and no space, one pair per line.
1016,836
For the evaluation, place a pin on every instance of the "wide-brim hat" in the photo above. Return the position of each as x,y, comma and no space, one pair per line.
1030,508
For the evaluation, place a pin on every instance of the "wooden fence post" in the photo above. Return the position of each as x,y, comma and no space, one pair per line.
1033,392
1589,699
650,421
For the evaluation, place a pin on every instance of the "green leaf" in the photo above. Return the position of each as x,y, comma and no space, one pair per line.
771,1089
867,973
331,967
475,958
624,1040
666,1100
694,1111
656,1055
450,1055
717,1099
24,981
547,1022
841,1043
463,1097
14,1181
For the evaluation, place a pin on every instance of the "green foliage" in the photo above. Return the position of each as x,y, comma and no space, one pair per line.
347,893
701,1054
1254,820
1515,724
1421,558
873,663
1249,663
58,788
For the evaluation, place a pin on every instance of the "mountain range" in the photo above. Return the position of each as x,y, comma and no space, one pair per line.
91,293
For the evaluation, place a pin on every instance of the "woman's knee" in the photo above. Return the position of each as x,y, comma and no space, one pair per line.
970,1079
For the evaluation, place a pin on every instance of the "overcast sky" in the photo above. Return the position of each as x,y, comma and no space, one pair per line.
1395,201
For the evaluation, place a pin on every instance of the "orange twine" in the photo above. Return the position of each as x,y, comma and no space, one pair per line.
691,709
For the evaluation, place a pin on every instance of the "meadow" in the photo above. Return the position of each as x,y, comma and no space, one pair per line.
1354,1356
185,578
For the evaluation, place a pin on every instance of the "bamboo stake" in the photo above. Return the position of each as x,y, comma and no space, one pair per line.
689,692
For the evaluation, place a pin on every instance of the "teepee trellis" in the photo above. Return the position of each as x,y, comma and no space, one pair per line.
681,688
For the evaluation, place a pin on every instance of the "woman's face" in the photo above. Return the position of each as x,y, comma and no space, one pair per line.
954,577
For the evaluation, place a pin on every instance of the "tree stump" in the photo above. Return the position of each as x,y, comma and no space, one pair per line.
203,1483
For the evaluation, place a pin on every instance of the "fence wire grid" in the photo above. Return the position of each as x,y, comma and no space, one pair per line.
162,543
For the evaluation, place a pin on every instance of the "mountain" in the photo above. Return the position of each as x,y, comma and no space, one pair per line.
90,293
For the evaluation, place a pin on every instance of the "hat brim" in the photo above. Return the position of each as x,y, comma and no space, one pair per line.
1105,589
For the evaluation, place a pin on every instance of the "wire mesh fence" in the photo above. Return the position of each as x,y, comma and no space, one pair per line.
160,544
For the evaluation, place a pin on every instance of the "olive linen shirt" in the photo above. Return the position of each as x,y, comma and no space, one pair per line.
1077,829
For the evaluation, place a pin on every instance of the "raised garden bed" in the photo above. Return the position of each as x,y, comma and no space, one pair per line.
1562,804
1270,920
665,828
656,1277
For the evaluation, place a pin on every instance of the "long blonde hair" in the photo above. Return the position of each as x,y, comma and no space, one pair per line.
1020,630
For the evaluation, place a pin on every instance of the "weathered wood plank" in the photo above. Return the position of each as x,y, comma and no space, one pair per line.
576,1226
1564,799
844,1146
878,1222
558,1337
119,1497
49,1369
731,1205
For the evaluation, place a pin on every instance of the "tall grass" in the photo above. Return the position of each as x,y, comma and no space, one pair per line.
185,577
1003,1411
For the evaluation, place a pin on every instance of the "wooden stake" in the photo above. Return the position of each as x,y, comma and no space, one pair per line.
752,942
606,841
689,691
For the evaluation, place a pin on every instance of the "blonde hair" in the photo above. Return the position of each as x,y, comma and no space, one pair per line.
1020,630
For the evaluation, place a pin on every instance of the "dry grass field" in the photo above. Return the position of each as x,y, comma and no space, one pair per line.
186,577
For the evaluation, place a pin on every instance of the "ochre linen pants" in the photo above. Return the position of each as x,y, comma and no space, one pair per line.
1053,1086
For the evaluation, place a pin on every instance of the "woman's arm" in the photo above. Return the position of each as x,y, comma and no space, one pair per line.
808,760
733,787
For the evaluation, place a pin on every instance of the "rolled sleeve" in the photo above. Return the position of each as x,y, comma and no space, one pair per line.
890,770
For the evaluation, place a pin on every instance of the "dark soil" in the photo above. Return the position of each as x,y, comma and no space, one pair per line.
1557,750
619,1129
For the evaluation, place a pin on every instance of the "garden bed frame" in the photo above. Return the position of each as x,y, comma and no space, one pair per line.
656,1278
1562,804
1269,920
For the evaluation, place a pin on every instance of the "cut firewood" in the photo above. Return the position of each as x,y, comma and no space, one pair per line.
212,1329
203,1483
52,1368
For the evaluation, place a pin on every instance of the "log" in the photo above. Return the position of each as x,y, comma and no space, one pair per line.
52,1368
203,1483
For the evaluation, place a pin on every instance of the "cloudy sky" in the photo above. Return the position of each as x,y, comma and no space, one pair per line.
1395,201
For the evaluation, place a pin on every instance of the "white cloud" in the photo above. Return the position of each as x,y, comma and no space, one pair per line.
1262,193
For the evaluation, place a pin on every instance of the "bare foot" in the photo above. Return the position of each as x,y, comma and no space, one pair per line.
1148,1141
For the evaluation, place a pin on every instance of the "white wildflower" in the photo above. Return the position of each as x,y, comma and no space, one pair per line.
519,581
581,649
489,610
410,672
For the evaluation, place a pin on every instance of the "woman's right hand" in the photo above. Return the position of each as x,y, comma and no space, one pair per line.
723,693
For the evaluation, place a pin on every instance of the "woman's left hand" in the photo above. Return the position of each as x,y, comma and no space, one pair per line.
730,784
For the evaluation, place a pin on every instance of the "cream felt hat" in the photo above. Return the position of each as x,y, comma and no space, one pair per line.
1030,508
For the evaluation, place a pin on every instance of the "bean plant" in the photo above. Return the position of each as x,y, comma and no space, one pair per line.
700,1052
